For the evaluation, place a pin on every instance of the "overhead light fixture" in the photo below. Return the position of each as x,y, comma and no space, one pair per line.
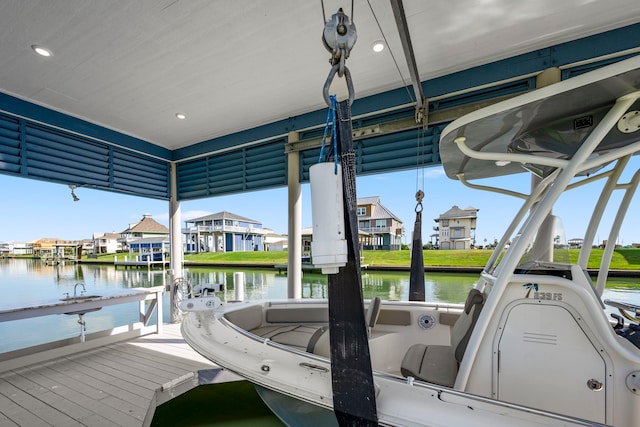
73,194
42,51
181,116
377,46
502,162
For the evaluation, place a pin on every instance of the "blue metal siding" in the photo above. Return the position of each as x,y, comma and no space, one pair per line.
58,156
10,150
246,243
55,119
387,153
33,150
251,168
87,154
144,175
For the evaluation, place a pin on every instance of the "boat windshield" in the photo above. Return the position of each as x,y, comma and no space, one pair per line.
549,250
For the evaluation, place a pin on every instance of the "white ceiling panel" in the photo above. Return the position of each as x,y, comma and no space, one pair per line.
233,65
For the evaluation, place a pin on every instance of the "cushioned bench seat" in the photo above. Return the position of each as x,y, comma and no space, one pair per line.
302,337
303,328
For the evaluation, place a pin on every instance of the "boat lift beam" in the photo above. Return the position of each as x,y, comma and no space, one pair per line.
407,47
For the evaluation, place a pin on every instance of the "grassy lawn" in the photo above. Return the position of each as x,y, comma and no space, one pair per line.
623,258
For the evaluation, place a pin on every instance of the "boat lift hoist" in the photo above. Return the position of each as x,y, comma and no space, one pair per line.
353,389
339,37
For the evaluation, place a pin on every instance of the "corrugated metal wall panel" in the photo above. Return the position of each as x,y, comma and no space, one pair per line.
134,172
59,156
266,166
50,169
396,151
257,167
33,150
9,144
510,88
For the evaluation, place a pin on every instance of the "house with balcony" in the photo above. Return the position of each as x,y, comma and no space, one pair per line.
16,248
146,228
224,232
457,228
107,243
378,227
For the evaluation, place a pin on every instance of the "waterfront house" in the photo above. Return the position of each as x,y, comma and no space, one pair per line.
275,242
107,243
378,227
224,232
56,248
150,248
16,248
457,228
147,227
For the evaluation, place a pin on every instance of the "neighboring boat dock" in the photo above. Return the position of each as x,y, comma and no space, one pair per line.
141,262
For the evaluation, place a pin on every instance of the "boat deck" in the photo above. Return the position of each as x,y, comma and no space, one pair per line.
112,385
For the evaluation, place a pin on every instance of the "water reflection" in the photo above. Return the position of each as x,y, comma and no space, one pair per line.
269,284
26,282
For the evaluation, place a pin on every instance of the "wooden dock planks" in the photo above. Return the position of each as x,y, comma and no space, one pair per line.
106,386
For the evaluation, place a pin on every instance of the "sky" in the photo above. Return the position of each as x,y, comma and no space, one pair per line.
34,209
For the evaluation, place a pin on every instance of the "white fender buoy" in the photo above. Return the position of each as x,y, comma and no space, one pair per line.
329,244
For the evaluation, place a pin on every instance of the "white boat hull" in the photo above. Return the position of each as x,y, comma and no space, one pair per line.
307,377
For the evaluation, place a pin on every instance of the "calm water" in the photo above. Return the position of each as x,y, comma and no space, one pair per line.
28,282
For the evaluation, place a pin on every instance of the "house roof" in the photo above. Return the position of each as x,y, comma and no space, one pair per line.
147,225
48,240
371,200
456,212
111,235
224,215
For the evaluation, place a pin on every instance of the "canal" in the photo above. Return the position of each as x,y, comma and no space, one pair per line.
25,282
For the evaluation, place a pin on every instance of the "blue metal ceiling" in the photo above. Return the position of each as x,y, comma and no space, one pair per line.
39,143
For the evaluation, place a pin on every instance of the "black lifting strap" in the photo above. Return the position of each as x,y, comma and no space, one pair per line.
354,399
416,277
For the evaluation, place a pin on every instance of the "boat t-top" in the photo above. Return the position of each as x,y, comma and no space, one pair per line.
534,343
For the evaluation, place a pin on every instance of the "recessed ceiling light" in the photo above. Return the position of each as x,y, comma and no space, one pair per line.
377,46
181,116
502,162
43,51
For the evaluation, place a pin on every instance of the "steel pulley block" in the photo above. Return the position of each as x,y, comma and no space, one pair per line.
339,37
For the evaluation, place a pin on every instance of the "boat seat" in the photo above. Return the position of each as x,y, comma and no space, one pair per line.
320,345
309,337
372,314
297,336
439,364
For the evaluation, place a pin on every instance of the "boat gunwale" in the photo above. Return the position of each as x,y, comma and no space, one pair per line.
441,391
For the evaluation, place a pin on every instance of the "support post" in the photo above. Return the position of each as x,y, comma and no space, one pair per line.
547,77
175,218
294,239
